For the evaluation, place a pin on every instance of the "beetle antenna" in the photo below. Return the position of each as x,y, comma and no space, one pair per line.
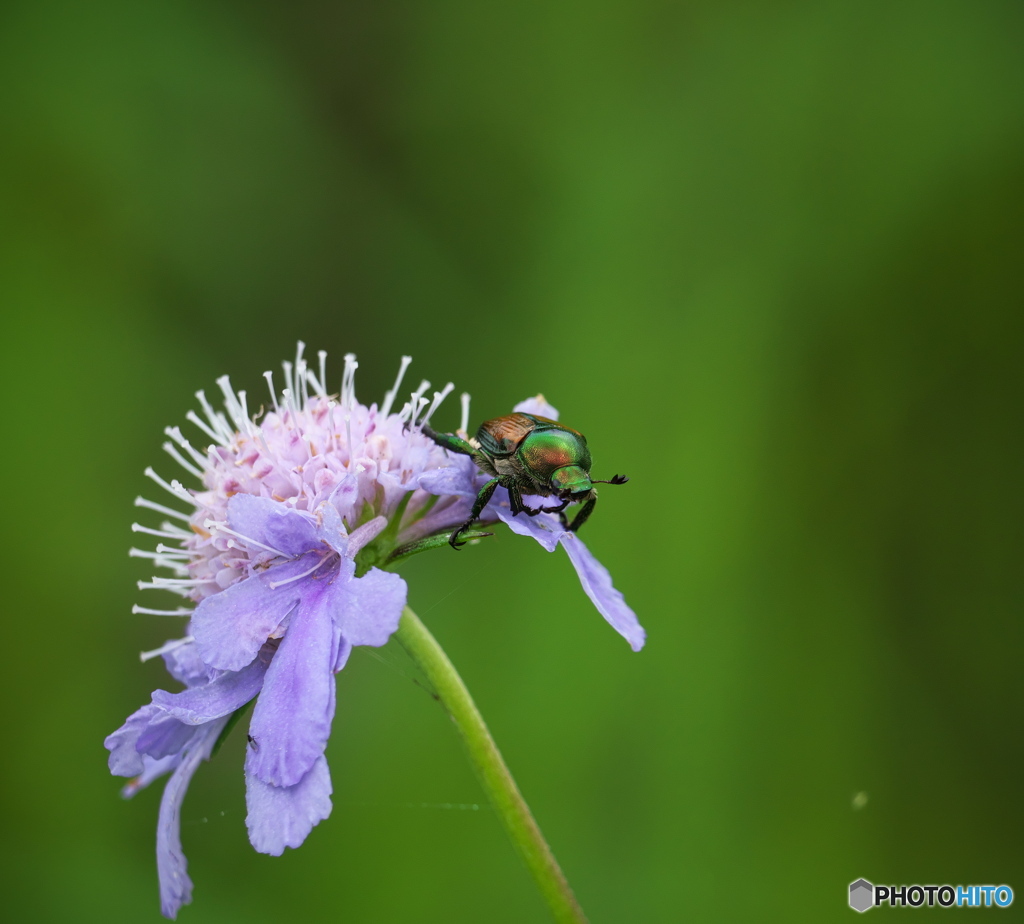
615,479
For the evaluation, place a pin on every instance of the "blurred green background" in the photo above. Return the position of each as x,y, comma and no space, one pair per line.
768,257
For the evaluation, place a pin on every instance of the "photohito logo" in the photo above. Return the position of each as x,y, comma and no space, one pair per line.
864,895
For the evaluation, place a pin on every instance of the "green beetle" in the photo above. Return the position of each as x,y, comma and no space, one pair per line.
528,454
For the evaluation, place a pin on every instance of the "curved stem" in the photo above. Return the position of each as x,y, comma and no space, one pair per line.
501,789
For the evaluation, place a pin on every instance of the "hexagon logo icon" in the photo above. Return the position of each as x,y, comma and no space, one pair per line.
861,895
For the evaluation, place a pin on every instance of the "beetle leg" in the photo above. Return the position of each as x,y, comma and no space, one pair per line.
533,511
515,500
581,517
481,501
449,441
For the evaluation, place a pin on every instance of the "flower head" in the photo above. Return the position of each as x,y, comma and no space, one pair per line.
279,564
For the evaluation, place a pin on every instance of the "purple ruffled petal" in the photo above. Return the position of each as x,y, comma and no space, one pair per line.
164,735
231,626
272,524
365,534
282,817
345,496
368,613
537,406
171,865
292,718
331,529
341,648
214,700
597,583
153,769
186,666
459,478
125,759
546,528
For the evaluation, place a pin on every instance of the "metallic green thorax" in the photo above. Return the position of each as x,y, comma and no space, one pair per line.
528,454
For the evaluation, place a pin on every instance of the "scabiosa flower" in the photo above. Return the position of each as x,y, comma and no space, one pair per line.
279,564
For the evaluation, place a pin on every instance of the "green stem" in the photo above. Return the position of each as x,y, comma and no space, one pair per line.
501,789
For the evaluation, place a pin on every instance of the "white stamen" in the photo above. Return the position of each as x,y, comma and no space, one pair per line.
162,582
231,402
420,404
464,424
322,355
269,376
177,531
287,400
175,434
301,381
416,395
273,585
168,534
167,550
315,382
416,401
144,553
199,422
217,420
439,396
147,611
403,414
175,565
180,591
221,528
175,487
348,399
348,382
245,412
300,348
389,398
159,508
180,459
163,649
289,385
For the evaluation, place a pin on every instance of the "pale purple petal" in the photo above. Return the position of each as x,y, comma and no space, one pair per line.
221,697
392,487
164,735
282,817
171,865
153,769
460,477
598,585
231,626
331,529
344,497
537,406
292,718
125,759
340,650
546,528
272,524
185,665
369,611
365,534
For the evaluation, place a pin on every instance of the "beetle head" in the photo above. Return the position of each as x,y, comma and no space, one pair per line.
570,480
